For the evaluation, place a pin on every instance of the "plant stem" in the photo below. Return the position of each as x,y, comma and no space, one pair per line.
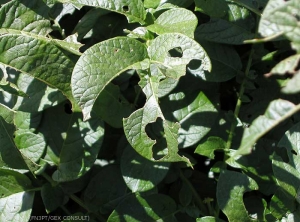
197,198
34,189
241,93
239,100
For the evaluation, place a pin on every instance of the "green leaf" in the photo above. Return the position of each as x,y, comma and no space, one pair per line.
104,194
213,8
80,148
132,9
258,166
134,167
54,131
53,197
40,95
59,10
88,22
194,111
289,66
156,207
291,217
175,20
281,203
277,111
12,89
27,121
175,67
291,142
135,126
97,67
16,199
7,114
222,31
178,3
10,156
233,31
37,55
185,195
28,16
69,44
57,72
287,177
30,145
230,190
111,106
281,17
292,86
151,3
209,219
225,62
209,146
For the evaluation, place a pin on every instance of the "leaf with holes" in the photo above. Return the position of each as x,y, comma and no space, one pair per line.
132,9
225,62
209,146
135,126
231,188
185,50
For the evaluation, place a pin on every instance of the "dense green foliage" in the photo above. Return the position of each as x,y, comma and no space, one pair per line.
154,110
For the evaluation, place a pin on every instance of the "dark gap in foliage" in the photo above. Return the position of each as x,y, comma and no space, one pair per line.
294,152
202,18
68,22
228,95
68,108
156,132
112,137
125,8
194,64
254,205
298,66
133,92
243,50
176,52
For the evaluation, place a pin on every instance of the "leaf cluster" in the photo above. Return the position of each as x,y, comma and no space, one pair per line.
153,110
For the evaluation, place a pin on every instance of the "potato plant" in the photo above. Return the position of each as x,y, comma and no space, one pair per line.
149,110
